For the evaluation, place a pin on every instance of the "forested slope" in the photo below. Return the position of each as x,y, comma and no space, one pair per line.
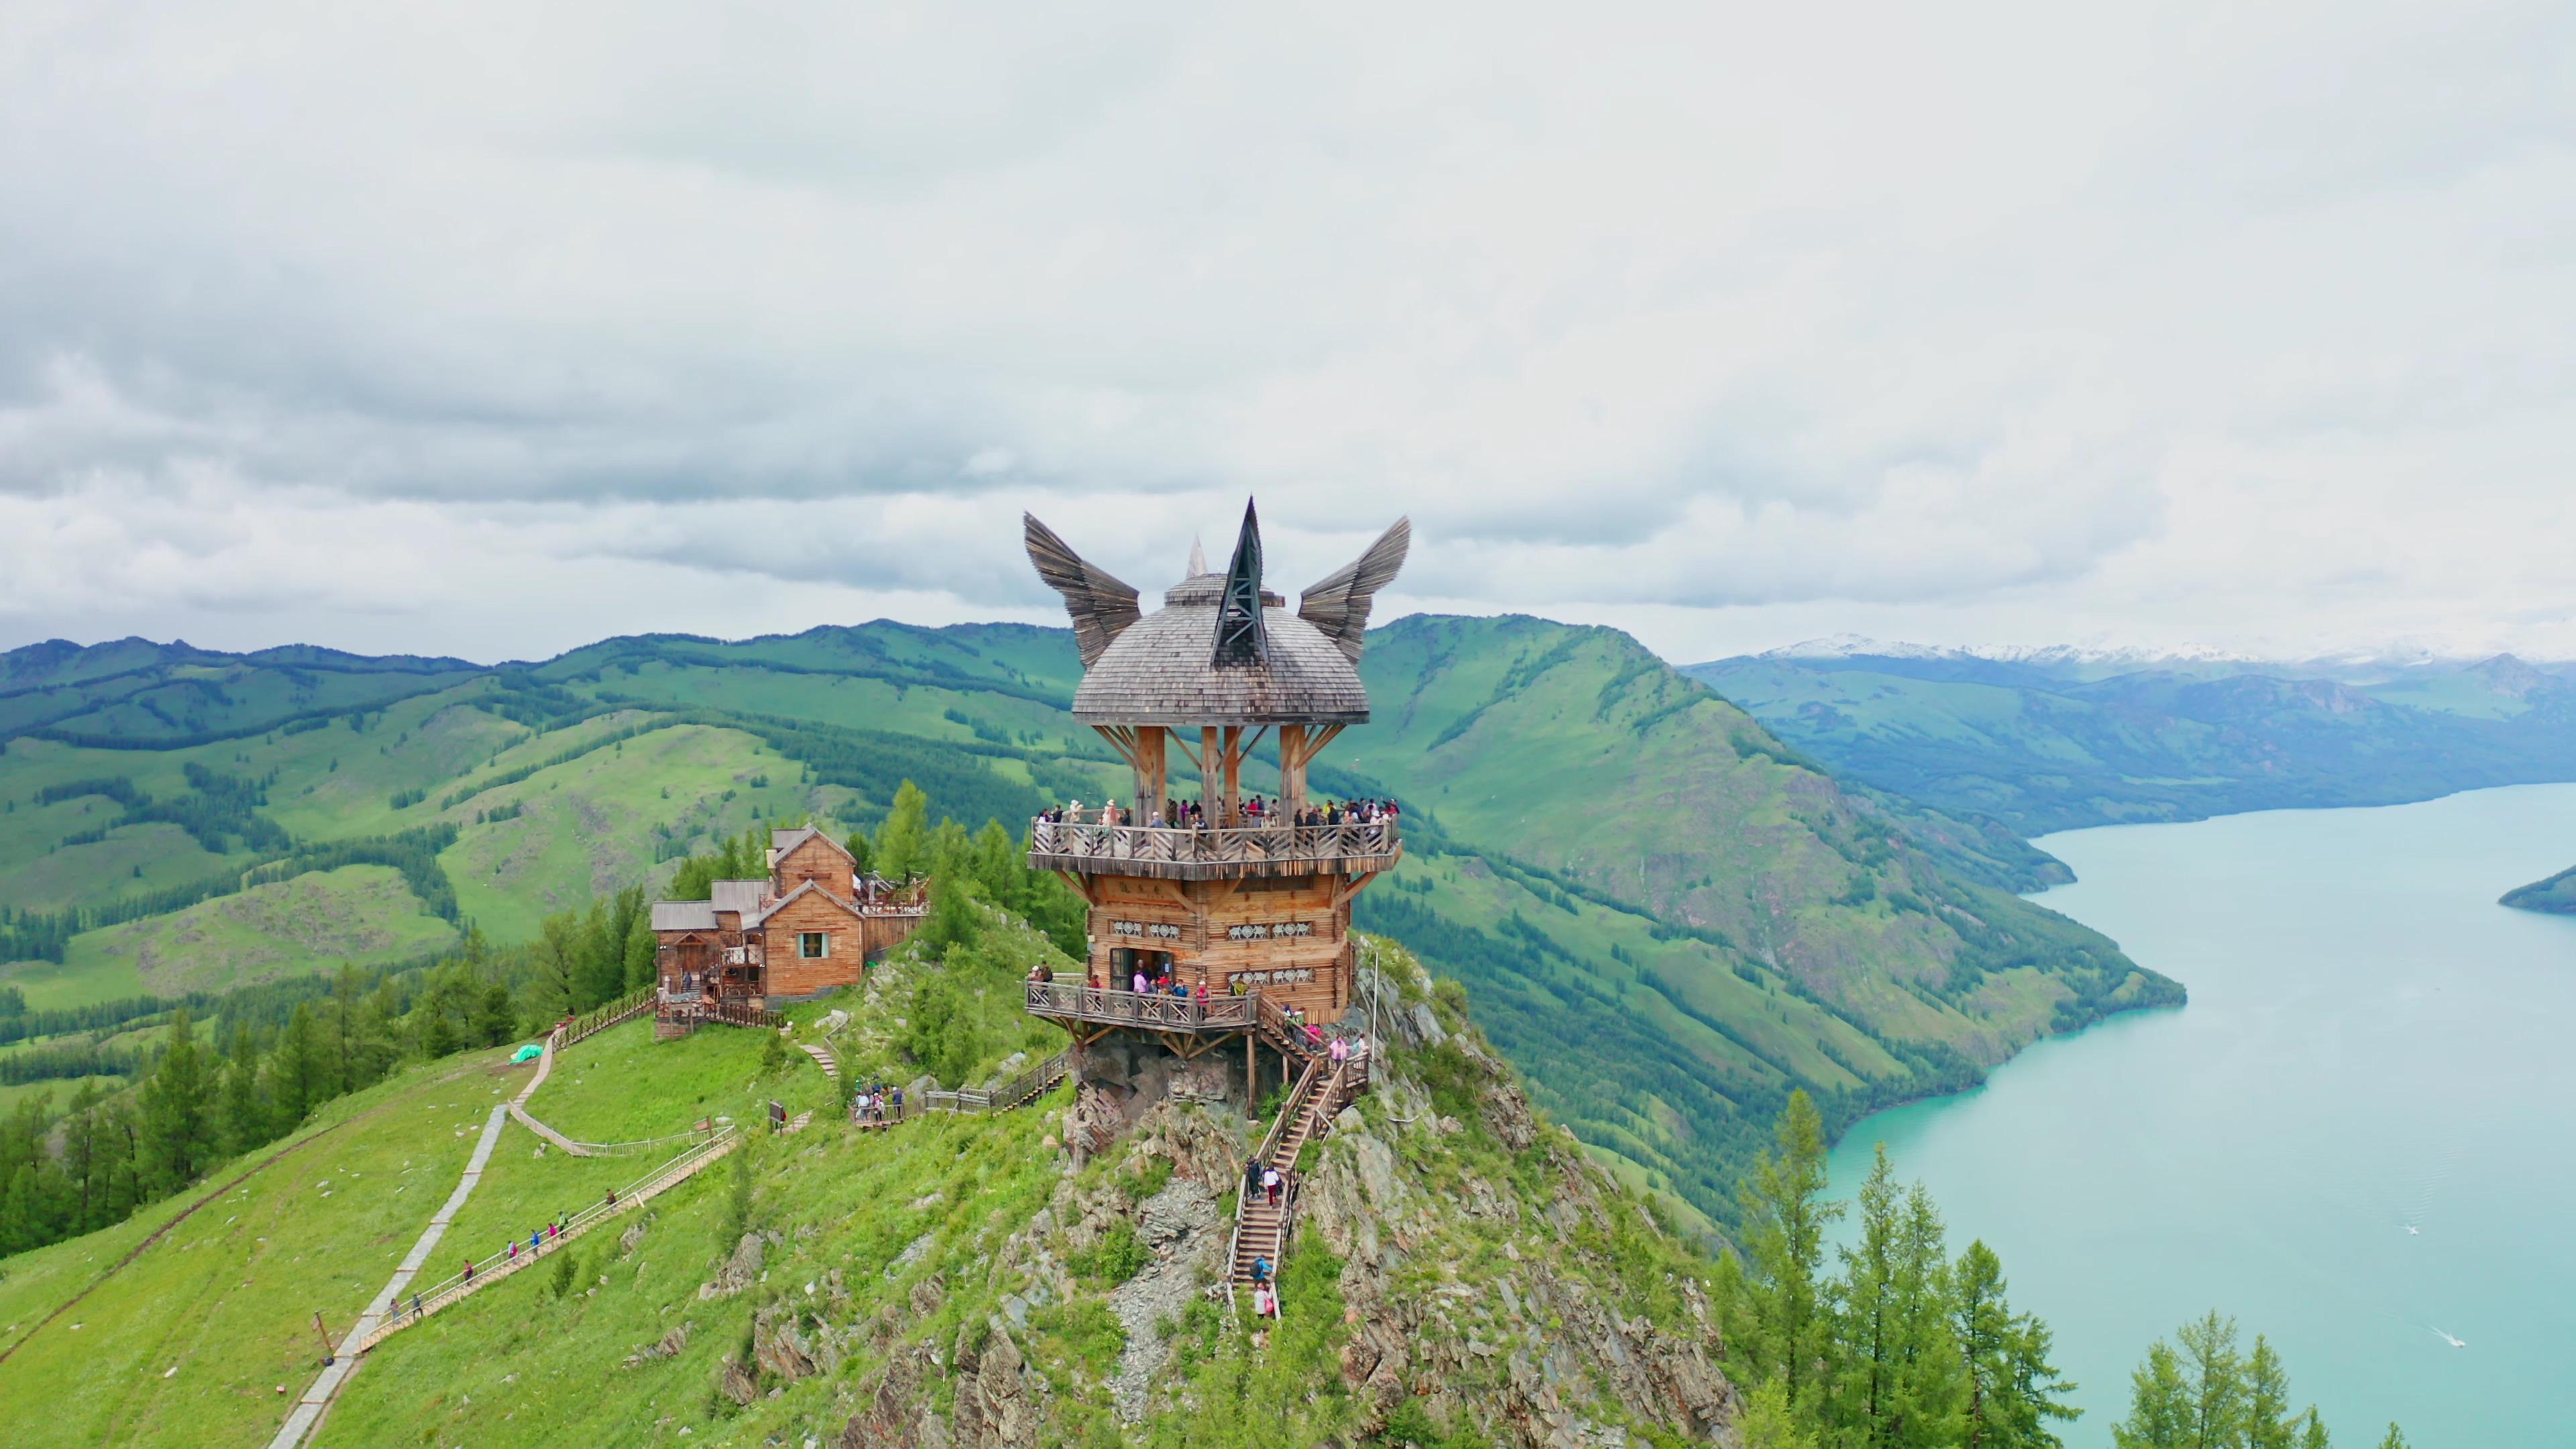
1614,846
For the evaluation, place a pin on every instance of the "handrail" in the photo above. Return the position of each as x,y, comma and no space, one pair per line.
456,1285
1146,1008
624,1009
1227,845
1018,1091
1288,1111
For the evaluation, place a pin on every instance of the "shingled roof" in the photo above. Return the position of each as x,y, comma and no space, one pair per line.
1185,664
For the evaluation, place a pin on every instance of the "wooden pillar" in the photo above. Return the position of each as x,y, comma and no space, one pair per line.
1233,774
1292,769
1211,773
1152,767
1251,1077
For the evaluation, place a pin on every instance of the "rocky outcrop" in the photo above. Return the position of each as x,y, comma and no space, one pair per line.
740,1271
995,1405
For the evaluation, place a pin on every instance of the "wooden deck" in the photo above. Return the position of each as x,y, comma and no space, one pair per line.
1169,853
1102,1006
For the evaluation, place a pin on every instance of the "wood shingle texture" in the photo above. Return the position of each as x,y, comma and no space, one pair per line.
1158,671
1299,667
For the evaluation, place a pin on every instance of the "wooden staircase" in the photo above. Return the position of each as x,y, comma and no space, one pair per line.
457,1288
1322,1090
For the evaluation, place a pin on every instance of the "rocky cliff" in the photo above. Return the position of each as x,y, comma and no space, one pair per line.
1461,1269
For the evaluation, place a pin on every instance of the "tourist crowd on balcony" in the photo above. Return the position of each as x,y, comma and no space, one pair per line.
1194,815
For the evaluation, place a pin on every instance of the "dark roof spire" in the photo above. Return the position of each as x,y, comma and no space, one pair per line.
1240,636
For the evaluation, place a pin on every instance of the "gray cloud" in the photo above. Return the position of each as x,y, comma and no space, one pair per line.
490,329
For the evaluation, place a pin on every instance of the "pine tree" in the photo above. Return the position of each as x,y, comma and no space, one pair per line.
437,1033
1767,1422
1785,1215
299,1071
641,945
903,836
2217,1376
19,1225
1854,1405
178,1130
2312,1434
2269,1423
2161,1409
247,1113
553,987
1929,1379
496,1019
341,1035
998,865
2011,1390
121,1184
2396,1439
81,1159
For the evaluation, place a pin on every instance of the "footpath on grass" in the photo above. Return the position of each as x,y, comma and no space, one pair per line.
389,1311
308,1409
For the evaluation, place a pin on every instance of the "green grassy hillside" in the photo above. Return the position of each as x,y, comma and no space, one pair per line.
1619,846
952,1280
1674,921
2047,749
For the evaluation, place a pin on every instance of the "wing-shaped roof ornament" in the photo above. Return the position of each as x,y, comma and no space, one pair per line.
1338,605
1099,603
1241,637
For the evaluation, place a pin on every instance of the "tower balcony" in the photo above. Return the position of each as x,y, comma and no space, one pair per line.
1171,852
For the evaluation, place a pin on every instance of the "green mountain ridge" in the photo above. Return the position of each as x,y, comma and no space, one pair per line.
2046,748
2553,895
1667,916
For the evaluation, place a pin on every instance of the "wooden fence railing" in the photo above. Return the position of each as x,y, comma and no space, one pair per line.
1019,1091
625,1008
1110,1006
1064,844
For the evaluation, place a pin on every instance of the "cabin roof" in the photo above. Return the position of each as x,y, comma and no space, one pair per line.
783,841
739,896
684,916
814,887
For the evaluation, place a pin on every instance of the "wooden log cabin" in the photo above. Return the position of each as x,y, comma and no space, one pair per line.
1246,912
810,927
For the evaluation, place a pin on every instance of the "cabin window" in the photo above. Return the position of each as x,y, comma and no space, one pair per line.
813,944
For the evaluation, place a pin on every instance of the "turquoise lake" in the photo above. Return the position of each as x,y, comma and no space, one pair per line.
2372,1045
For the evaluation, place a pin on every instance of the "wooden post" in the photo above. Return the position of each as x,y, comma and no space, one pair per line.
1152,766
1211,772
325,1334
1251,1077
1292,769
1233,774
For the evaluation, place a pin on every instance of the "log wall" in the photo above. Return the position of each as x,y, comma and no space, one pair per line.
1288,936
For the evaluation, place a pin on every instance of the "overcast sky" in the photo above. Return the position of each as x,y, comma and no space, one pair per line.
497,329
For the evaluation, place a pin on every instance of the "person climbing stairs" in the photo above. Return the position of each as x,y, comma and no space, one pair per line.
1263,1217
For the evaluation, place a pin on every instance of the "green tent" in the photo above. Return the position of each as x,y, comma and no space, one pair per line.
529,1053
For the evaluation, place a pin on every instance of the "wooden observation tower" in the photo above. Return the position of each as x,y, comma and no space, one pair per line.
1238,918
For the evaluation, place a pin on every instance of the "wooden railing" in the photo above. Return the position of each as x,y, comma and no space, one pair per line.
625,1008
690,1162
1110,1007
972,1101
727,1010
1070,846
